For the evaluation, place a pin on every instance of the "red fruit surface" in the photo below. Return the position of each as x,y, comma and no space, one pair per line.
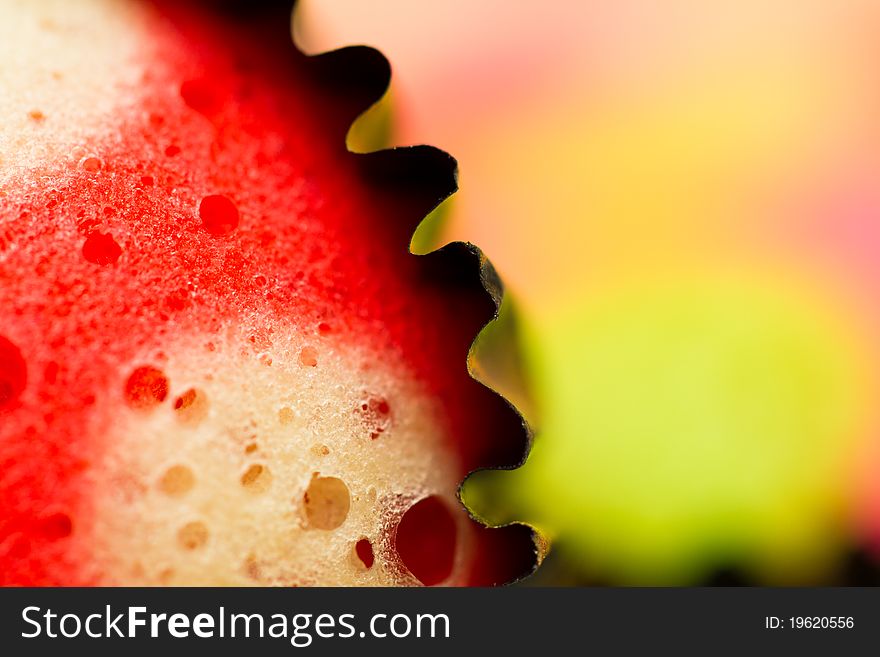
215,217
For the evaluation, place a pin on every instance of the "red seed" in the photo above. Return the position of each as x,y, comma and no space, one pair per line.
13,373
218,214
101,249
364,550
200,96
146,387
91,164
376,412
56,526
425,540
308,357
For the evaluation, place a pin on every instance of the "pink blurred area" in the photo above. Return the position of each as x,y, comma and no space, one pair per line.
519,89
600,140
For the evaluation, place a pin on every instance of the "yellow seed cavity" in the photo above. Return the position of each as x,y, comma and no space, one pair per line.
326,502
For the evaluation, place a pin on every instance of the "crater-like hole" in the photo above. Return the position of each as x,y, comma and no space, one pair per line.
285,415
191,407
56,526
201,96
146,387
376,413
426,540
13,373
252,567
91,163
326,502
177,480
219,215
101,249
363,550
192,535
308,357
256,478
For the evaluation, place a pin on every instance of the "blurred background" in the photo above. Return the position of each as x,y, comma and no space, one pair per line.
683,198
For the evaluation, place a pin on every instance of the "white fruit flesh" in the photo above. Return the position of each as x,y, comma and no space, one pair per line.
222,491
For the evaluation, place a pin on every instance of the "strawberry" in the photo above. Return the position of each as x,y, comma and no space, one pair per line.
219,363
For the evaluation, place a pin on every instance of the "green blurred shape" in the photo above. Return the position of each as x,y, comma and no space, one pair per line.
429,234
374,129
688,424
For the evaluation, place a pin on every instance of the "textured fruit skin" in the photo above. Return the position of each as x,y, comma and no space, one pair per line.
225,194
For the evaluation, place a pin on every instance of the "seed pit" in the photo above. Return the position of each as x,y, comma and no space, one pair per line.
101,249
177,480
201,96
252,567
326,502
146,387
308,356
376,412
256,478
191,407
13,373
56,526
218,214
285,416
192,535
363,550
91,164
426,540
